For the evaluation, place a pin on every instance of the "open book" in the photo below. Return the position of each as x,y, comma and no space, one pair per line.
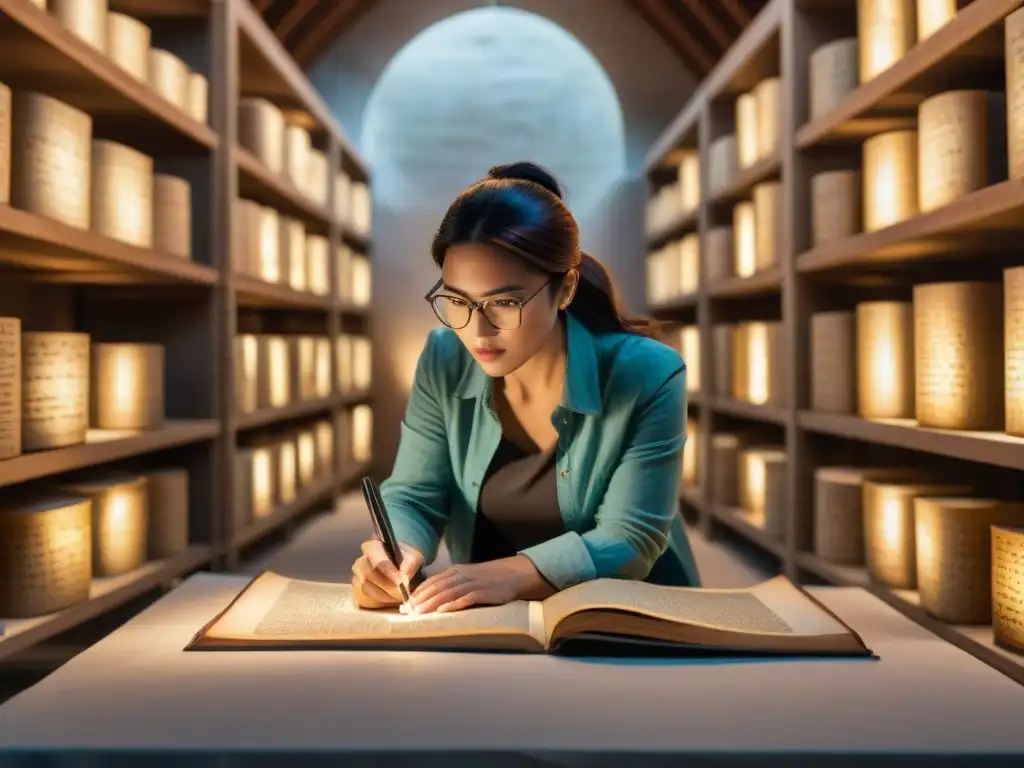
776,616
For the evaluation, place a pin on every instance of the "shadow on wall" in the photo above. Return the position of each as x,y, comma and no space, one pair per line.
482,87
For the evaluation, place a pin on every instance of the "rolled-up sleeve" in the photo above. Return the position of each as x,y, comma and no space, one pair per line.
417,492
633,521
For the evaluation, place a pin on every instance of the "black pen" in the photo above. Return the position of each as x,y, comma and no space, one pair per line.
384,532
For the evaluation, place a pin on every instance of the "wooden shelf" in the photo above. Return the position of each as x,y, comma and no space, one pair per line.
976,640
995,213
354,473
994,448
38,244
104,446
257,183
106,594
750,525
692,496
56,277
680,225
685,302
985,226
266,69
287,413
967,47
353,310
743,183
771,414
307,497
349,399
253,292
39,53
356,240
767,280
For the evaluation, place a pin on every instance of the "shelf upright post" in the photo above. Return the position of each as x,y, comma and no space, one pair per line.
704,469
334,154
223,115
799,38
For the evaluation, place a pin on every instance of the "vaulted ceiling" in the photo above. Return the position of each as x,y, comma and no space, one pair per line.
699,31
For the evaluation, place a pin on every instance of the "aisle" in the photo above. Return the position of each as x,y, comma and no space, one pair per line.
325,547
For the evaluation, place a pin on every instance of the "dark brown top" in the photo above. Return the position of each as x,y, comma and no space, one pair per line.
518,505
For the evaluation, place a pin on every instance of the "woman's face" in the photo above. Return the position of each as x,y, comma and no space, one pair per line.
476,273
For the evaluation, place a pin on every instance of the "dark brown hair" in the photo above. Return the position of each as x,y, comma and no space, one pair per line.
520,209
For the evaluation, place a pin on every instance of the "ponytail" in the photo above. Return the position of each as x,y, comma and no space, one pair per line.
598,305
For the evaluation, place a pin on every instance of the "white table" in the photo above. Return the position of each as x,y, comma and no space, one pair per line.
136,692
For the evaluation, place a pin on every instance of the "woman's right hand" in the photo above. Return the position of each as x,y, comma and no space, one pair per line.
375,579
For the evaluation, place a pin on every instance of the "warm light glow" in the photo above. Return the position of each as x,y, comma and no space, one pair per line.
885,29
362,433
278,371
269,259
690,458
262,482
317,248
324,431
758,362
932,15
689,180
305,361
746,129
359,267
889,538
767,206
769,112
287,465
247,351
885,360
362,363
689,264
745,239
293,252
122,193
690,344
343,257
343,362
306,457
120,522
753,476
323,367
890,179
127,386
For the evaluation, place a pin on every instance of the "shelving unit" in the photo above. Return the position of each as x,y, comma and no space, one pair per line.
973,236
59,277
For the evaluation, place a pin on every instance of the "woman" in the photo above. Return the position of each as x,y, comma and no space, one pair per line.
544,433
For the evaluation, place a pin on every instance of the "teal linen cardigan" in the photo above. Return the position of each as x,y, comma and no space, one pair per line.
621,432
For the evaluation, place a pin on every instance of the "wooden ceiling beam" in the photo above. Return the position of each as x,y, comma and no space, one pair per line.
739,14
327,30
718,33
692,52
294,16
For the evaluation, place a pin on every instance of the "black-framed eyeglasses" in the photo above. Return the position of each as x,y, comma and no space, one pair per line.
504,314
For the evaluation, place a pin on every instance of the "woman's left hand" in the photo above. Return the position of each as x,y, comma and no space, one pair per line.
462,586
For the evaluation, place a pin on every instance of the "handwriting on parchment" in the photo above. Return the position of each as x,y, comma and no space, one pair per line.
1008,586
10,387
